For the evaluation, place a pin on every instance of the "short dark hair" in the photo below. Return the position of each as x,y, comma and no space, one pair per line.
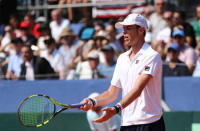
29,47
17,41
137,27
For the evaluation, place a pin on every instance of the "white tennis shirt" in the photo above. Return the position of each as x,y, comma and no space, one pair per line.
146,108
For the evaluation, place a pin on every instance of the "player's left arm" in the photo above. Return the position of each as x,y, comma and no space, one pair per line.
140,84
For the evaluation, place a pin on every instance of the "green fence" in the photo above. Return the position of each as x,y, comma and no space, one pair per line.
174,121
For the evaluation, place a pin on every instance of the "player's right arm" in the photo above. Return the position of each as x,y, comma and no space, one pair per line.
105,98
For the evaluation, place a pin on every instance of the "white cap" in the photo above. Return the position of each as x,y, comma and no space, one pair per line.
133,19
94,54
93,95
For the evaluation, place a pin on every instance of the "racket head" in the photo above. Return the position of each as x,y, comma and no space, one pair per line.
36,110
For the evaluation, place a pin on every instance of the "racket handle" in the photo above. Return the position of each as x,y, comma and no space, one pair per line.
77,105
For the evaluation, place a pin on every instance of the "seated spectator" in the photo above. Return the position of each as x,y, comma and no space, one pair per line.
58,23
88,69
196,72
164,36
156,18
26,35
113,124
98,27
196,25
87,31
174,67
45,32
15,60
5,45
33,27
35,67
107,68
14,23
187,53
111,36
68,47
54,57
178,19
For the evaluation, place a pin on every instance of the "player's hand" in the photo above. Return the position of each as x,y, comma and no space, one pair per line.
108,112
87,105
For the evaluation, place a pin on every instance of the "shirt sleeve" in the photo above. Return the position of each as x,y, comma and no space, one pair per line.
153,63
116,75
191,57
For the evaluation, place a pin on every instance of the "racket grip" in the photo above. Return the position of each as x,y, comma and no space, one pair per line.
77,105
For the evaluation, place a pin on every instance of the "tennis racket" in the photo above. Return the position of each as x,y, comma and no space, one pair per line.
37,110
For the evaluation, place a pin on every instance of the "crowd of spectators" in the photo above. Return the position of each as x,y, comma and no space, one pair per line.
37,48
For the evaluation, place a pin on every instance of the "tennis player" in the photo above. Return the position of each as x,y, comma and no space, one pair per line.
138,74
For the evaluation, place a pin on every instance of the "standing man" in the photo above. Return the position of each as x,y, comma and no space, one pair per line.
138,74
156,19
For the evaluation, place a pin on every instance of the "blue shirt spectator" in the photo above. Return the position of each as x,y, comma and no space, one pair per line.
107,68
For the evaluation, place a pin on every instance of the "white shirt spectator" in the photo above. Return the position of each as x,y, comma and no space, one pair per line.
157,25
57,29
29,71
56,60
83,70
164,35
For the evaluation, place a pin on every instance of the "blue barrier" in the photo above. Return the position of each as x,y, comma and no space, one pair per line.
73,91
180,93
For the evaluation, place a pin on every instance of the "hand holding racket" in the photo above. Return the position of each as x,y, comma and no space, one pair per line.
37,110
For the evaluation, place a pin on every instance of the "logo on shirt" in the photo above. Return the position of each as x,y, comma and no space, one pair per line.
147,68
137,61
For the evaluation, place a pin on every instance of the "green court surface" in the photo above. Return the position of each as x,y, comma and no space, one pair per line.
174,121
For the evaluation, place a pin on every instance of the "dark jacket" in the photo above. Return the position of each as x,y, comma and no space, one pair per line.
42,69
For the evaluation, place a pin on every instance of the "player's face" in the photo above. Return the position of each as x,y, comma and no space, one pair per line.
130,34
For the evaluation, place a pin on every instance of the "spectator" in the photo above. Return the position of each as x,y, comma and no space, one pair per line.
88,69
164,36
58,23
196,72
98,27
101,40
107,68
35,67
174,67
6,40
54,57
68,47
111,36
112,124
187,53
26,36
156,19
15,60
33,27
45,32
15,24
179,20
87,31
196,25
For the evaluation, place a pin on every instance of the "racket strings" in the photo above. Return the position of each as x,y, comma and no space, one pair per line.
36,110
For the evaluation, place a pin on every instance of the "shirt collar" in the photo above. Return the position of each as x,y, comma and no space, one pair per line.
141,51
